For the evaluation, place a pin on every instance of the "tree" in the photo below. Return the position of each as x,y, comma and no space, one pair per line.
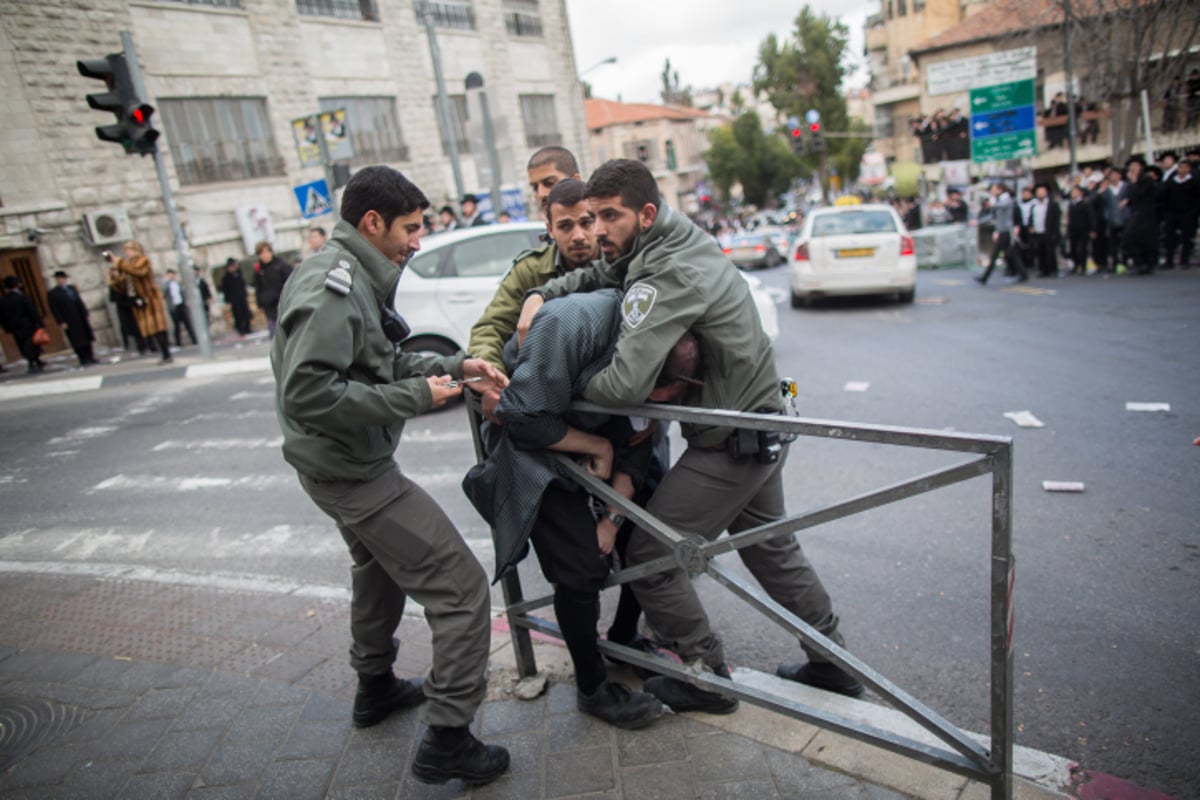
1118,48
672,93
742,153
806,72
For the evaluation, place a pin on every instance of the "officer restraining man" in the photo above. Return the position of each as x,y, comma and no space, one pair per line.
676,280
343,392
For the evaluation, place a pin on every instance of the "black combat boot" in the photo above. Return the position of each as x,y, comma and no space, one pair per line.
449,753
822,675
380,695
683,696
618,705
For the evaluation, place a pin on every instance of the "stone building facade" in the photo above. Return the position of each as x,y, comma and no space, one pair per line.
227,78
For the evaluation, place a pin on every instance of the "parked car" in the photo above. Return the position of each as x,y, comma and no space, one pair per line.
853,250
447,285
753,250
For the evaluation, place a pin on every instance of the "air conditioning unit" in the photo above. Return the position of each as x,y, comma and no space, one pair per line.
107,225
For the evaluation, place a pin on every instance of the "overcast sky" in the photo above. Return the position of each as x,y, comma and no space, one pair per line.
709,42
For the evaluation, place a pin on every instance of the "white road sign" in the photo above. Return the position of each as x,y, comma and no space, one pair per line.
963,74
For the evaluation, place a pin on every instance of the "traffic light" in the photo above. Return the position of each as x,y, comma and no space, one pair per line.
796,137
132,130
817,136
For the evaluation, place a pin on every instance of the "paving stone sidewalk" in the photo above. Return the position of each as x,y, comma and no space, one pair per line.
139,689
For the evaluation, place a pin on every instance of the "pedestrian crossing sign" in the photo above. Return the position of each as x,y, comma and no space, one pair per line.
313,199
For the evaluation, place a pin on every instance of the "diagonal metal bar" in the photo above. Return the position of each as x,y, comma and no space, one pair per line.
926,717
863,502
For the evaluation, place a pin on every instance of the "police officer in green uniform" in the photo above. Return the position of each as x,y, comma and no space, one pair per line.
343,392
572,247
676,279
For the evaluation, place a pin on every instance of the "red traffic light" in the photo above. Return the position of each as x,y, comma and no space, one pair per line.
815,127
796,133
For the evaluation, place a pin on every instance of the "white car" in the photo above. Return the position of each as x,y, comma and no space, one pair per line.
853,250
448,284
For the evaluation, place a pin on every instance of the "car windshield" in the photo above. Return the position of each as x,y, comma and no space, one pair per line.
853,222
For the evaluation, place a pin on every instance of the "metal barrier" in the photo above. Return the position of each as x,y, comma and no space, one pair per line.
992,454
940,246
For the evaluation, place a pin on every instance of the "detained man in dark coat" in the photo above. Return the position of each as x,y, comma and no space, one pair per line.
68,308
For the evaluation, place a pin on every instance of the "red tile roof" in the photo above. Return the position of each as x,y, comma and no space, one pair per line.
1001,18
603,113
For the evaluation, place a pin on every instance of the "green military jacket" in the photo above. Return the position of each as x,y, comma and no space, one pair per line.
498,322
343,390
677,279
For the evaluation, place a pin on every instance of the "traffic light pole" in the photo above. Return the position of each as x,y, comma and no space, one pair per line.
187,274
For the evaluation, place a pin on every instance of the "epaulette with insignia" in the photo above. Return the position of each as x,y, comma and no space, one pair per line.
338,280
533,251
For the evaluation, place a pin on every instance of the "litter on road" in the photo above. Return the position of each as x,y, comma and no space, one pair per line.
1025,419
857,386
1063,486
1147,406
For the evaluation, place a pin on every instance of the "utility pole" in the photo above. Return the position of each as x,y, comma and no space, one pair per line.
443,102
187,273
1071,121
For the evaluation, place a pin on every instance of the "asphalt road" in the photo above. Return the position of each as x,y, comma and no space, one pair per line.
185,476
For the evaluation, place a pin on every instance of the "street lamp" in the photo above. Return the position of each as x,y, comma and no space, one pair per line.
609,60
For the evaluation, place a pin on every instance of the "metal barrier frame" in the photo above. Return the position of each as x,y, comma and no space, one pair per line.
992,454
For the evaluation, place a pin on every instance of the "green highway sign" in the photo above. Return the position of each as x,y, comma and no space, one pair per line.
1001,96
1005,146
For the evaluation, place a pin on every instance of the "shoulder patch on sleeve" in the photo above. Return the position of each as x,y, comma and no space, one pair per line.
533,251
639,300
339,279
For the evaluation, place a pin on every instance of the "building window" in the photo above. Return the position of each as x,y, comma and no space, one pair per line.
902,7
521,18
918,6
458,111
891,9
643,150
374,127
447,14
210,3
541,123
220,138
339,9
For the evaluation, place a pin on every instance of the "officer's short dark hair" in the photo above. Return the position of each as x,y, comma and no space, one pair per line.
566,193
560,157
627,178
383,190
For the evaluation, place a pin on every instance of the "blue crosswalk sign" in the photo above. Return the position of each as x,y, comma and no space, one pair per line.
313,199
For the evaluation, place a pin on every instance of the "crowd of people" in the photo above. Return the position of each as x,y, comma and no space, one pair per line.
1137,220
628,302
943,136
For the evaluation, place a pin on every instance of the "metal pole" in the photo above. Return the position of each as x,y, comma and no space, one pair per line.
186,270
1146,124
443,99
1071,122
1003,574
489,136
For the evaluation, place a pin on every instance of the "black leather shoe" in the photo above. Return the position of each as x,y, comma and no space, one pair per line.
822,675
979,279
620,706
449,753
379,695
682,696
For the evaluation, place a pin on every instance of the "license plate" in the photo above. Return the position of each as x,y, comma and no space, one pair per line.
856,252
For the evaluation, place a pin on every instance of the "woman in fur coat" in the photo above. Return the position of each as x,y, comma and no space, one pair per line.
133,277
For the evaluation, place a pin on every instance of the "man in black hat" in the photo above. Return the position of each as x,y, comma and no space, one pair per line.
72,315
447,220
470,211
233,286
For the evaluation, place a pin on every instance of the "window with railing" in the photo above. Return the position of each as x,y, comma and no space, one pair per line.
209,3
541,121
216,139
458,16
458,113
373,125
521,18
643,150
339,9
